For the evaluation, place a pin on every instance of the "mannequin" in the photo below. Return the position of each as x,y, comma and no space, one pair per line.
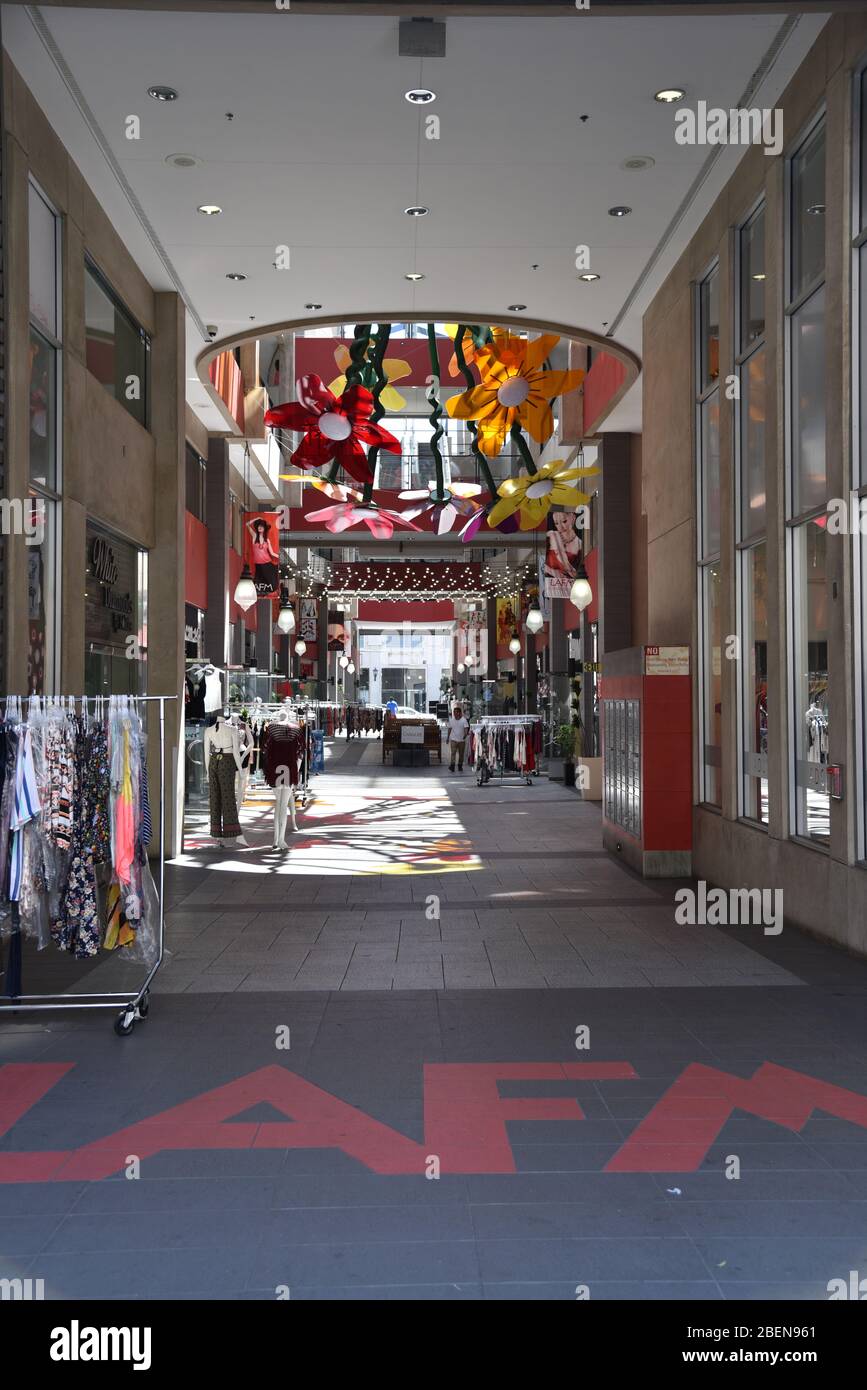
222,762
280,756
245,750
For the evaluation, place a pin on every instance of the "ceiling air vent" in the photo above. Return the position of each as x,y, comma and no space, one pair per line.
422,38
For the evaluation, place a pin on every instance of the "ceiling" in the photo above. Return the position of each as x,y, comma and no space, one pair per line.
323,154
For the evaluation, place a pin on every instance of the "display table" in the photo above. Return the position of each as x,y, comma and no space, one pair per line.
409,733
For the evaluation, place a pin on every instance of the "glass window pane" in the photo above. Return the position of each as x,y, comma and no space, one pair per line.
712,684
710,476
864,149
709,315
42,233
43,411
116,349
755,676
752,415
752,324
808,213
808,405
810,668
862,352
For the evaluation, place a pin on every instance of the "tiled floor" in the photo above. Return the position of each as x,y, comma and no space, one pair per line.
581,1071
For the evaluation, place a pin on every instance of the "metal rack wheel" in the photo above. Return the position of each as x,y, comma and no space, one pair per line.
124,1023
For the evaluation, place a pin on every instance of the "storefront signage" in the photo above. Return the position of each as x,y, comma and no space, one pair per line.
666,661
103,562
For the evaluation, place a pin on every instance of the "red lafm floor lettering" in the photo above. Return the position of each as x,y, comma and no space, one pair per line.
465,1118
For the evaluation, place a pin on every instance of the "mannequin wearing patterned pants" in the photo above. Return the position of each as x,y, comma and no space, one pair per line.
221,790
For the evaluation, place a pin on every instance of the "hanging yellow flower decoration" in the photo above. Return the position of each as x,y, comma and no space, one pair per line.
532,497
395,369
513,390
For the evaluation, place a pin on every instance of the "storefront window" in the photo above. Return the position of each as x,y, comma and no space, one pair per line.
195,483
40,510
750,519
115,616
118,349
708,489
807,493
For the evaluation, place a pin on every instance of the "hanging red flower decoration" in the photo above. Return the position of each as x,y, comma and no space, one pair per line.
378,520
334,427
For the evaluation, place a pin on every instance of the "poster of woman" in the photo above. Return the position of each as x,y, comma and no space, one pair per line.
262,551
507,620
562,554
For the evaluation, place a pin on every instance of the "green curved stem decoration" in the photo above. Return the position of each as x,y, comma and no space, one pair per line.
435,416
357,354
523,449
471,424
383,333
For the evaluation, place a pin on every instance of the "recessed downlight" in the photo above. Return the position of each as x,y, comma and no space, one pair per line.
162,94
621,210
312,306
516,308
209,209
417,211
667,95
589,276
235,275
414,275
183,161
636,162
420,96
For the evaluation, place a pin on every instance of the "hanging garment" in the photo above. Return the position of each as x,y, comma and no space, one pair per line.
25,805
118,931
124,819
75,927
221,796
281,754
195,703
59,757
213,691
96,794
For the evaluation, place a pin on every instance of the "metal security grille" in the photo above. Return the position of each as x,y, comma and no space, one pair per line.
621,766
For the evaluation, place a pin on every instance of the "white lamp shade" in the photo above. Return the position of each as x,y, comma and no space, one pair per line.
286,619
351,668
535,621
581,594
245,591
469,659
344,662
300,647
515,645
461,668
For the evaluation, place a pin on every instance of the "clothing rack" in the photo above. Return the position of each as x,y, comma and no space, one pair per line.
273,710
484,770
135,1004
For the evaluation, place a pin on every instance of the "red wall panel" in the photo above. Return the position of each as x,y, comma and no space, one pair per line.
196,561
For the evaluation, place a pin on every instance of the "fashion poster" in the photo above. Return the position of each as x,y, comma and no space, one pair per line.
262,551
308,627
562,552
507,620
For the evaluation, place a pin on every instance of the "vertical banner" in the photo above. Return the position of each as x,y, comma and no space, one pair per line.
507,620
308,628
262,551
562,552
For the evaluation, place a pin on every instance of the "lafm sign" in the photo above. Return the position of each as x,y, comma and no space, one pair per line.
465,1118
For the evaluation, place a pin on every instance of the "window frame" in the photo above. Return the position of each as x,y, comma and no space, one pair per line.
746,544
103,282
793,521
704,561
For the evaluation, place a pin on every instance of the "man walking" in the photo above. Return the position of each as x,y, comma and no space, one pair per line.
457,738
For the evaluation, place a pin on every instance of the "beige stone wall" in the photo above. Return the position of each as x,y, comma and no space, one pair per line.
114,471
825,892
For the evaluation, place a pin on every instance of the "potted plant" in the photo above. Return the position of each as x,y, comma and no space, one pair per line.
566,749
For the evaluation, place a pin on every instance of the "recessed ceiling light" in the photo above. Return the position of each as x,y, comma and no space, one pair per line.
816,210
636,162
235,275
312,306
620,211
162,93
759,277
420,96
414,275
589,276
669,94
210,209
516,308
183,161
416,212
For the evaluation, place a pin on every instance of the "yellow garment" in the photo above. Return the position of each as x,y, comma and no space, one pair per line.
118,931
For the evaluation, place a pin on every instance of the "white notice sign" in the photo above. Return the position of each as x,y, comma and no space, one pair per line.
666,661
411,733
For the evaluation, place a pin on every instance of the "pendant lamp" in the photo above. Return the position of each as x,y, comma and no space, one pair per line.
535,622
581,593
343,662
350,670
245,590
286,617
515,644
300,647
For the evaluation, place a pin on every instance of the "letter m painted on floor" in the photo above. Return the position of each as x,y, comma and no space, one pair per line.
680,1129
